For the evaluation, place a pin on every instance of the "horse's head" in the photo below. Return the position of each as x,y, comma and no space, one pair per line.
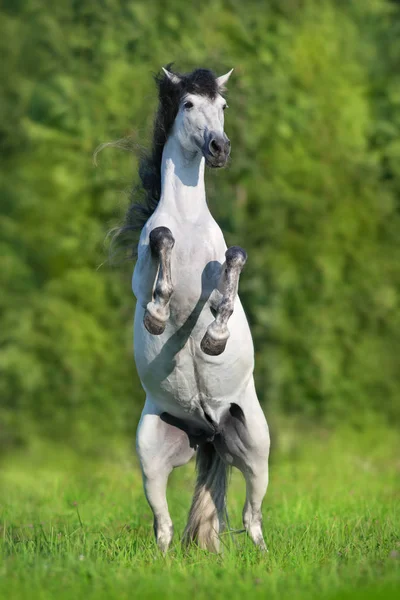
198,105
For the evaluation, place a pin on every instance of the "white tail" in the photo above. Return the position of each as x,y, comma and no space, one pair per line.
207,512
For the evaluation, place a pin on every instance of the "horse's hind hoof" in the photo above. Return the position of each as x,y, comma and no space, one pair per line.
212,346
153,325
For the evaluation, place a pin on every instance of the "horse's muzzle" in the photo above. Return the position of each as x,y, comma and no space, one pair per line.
216,150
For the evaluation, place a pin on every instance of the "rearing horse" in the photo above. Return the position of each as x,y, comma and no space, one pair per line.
197,373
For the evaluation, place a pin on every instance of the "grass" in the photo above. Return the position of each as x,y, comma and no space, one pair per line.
74,527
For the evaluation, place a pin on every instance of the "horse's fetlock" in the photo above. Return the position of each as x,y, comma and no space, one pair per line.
226,307
155,320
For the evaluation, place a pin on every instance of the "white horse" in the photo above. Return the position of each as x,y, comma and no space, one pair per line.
197,374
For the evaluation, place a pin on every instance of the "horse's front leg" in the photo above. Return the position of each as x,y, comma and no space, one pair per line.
217,334
161,242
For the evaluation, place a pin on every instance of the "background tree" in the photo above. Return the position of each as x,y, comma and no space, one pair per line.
312,193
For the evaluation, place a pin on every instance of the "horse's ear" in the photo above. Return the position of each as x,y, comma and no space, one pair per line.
221,81
172,76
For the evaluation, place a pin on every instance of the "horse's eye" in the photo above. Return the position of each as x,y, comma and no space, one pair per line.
188,105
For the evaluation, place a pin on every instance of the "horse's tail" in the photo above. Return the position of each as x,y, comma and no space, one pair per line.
208,508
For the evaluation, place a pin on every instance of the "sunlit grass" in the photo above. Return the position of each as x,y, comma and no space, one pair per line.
72,527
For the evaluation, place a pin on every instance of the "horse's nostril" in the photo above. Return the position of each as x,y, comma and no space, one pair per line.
215,147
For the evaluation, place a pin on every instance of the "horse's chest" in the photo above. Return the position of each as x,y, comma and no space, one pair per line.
195,274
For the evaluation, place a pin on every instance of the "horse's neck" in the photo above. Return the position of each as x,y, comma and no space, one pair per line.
182,183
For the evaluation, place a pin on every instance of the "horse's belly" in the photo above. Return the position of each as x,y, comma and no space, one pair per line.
177,374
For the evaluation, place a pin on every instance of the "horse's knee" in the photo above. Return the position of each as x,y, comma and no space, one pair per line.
235,256
160,239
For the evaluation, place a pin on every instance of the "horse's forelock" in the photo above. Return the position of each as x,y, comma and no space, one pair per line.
202,82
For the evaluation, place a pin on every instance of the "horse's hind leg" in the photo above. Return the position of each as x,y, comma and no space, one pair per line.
161,242
161,447
244,442
256,487
217,334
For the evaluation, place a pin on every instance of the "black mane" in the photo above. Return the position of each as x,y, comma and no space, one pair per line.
201,82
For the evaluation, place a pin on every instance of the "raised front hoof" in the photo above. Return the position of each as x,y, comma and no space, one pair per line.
212,346
153,325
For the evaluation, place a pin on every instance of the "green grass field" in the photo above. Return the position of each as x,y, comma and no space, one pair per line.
74,527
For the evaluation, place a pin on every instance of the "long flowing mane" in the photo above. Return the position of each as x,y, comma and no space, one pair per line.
145,197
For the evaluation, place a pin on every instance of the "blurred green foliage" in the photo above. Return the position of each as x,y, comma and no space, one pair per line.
312,193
